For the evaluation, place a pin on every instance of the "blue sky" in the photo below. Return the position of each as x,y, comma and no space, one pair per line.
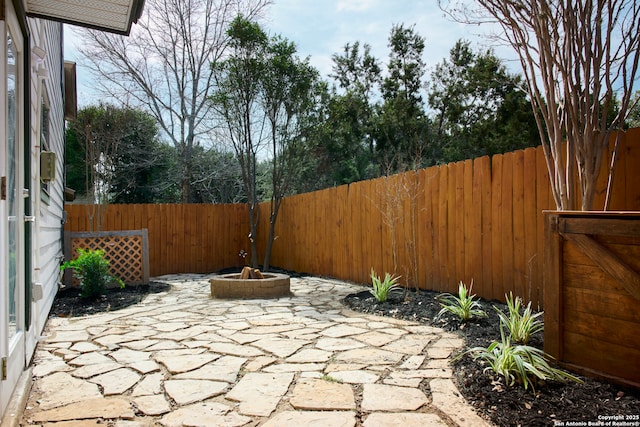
322,28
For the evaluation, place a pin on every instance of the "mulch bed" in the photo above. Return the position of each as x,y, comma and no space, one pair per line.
69,303
552,403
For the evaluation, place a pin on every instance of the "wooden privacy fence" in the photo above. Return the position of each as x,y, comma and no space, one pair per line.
477,220
182,238
592,292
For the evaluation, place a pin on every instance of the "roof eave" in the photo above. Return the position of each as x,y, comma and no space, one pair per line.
73,17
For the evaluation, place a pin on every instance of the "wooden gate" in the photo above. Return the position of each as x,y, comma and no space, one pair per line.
592,293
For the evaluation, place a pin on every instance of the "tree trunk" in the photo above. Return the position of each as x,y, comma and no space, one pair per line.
272,234
253,234
267,252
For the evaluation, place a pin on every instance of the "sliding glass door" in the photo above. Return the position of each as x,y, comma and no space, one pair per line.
12,286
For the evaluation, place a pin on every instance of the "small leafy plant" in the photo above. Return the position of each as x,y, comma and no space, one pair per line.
92,270
382,288
329,378
462,305
521,324
523,364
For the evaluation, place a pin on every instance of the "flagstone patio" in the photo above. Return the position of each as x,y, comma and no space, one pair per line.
183,358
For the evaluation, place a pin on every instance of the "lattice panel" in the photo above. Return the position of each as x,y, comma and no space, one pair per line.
127,253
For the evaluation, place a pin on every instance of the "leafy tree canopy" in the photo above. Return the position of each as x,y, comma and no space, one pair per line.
116,152
479,107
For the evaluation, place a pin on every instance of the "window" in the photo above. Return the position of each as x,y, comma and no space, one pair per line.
44,141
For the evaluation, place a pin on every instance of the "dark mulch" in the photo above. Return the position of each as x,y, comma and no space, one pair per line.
69,303
552,403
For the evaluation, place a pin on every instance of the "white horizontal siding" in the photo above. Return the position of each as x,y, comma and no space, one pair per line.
48,242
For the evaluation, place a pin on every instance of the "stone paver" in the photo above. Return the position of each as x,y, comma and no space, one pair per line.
312,419
75,390
260,393
185,363
447,399
181,358
203,414
116,382
382,397
95,408
152,405
190,391
403,419
322,395
355,377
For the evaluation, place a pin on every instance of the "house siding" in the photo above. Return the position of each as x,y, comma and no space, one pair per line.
44,80
47,244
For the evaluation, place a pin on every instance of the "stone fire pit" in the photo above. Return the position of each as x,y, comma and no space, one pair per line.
272,285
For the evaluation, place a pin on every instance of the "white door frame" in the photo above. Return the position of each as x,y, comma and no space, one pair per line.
12,347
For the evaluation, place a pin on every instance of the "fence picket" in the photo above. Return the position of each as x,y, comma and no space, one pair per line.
518,239
475,268
631,159
507,222
530,228
497,213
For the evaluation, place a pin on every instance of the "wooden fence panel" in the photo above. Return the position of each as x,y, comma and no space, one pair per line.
474,212
544,201
519,261
450,231
618,196
361,253
337,230
497,213
458,234
483,168
182,238
368,236
506,237
442,227
302,213
427,217
400,201
592,286
303,236
374,226
631,157
530,230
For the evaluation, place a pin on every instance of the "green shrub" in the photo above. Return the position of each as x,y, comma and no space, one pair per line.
520,325
463,305
92,270
382,288
518,363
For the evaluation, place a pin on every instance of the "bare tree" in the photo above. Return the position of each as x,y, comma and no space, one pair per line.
165,65
99,137
399,202
577,58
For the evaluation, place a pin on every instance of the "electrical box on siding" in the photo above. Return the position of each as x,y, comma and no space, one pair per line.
47,166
